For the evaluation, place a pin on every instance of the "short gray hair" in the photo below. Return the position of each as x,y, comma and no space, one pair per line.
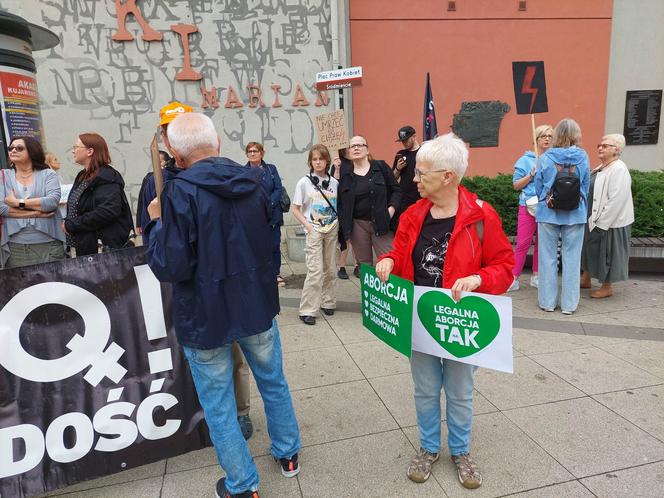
190,132
567,133
445,152
616,139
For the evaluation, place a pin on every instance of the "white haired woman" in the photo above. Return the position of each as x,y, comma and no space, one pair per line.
439,243
523,180
607,237
561,214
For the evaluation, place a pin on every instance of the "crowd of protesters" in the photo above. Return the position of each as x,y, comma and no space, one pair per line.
215,233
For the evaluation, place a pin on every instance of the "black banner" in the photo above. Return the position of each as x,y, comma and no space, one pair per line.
529,87
92,381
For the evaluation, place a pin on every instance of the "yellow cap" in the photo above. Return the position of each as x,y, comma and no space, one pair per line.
170,111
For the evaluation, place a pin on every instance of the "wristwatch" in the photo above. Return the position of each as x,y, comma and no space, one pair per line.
21,203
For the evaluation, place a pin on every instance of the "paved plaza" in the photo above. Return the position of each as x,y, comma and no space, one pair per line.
582,415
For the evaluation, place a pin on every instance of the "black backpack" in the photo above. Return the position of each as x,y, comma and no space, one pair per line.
565,194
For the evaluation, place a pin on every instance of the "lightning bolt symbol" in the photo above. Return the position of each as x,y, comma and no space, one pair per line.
527,85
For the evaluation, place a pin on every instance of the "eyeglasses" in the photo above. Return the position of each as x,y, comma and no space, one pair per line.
546,136
603,146
17,148
253,151
74,147
356,146
421,174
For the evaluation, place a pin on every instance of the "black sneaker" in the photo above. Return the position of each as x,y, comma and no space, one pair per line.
289,466
308,319
328,311
342,273
356,271
222,492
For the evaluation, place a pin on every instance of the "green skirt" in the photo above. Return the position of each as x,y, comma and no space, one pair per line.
605,253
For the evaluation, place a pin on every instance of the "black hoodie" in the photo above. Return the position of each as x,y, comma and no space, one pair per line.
102,213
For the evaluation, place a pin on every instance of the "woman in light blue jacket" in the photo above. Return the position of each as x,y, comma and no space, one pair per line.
31,231
556,221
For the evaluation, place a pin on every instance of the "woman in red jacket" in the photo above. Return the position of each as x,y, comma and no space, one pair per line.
448,239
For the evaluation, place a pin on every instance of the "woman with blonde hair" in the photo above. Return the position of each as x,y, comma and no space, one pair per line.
524,181
607,236
315,207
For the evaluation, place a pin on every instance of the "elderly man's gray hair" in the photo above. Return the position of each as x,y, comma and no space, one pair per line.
190,132
445,152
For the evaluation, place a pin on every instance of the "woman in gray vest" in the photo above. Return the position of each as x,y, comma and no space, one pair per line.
31,230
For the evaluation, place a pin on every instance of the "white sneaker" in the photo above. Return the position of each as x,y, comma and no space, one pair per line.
514,286
534,281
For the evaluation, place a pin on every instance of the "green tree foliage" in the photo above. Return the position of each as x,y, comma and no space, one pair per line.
647,191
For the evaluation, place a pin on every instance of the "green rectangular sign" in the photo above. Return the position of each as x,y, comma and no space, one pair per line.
387,309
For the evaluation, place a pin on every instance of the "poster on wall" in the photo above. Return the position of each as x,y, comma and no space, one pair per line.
92,381
19,102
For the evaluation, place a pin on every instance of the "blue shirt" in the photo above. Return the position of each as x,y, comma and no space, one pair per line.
522,168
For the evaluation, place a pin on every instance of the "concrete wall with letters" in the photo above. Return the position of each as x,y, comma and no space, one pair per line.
91,82
637,63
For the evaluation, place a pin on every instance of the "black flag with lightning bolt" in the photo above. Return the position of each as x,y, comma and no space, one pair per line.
430,128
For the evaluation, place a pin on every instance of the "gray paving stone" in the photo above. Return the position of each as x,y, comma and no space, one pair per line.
639,482
288,316
508,459
376,359
652,316
536,341
139,473
586,437
572,489
192,460
648,355
349,329
396,391
530,384
201,482
367,466
319,367
595,371
144,488
337,412
301,337
643,407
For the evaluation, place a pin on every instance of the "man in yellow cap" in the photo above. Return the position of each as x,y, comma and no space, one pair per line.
148,192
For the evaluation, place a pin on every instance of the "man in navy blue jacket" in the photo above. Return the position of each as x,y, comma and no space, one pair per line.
212,243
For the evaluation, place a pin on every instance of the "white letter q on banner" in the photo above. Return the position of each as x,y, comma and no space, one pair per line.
85,350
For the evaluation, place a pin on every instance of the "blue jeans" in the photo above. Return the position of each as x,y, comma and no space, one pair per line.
572,242
212,371
430,375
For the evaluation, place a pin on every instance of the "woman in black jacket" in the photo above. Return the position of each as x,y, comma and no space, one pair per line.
97,208
368,197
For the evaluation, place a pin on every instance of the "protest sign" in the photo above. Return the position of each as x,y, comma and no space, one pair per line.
530,91
92,381
331,130
387,308
476,330
529,87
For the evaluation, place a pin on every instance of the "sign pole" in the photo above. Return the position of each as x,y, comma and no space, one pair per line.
532,124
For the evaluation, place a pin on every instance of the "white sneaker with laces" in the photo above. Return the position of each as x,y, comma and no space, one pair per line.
514,286
534,281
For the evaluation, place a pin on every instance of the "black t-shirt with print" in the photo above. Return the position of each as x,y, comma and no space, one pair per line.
362,206
431,249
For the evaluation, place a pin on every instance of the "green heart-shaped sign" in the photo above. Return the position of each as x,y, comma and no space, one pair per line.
462,328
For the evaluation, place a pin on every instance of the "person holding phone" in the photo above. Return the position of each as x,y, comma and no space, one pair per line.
404,170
